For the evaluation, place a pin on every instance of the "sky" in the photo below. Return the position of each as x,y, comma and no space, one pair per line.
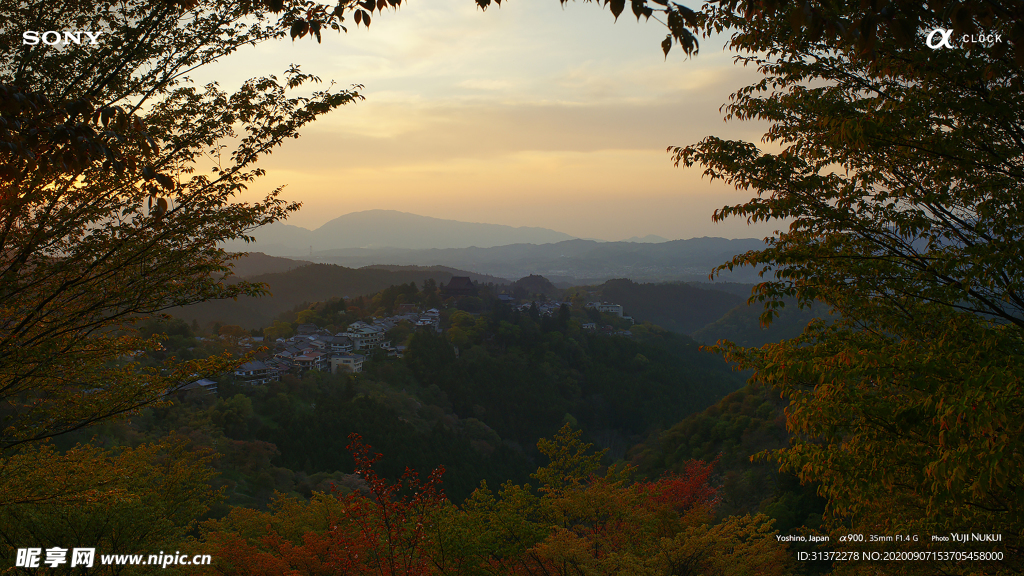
531,114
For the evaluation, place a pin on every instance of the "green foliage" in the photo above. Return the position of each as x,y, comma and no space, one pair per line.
679,307
278,330
119,501
388,299
731,432
742,325
570,463
899,181
525,375
935,415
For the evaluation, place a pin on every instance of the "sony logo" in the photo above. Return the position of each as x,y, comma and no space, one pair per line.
51,37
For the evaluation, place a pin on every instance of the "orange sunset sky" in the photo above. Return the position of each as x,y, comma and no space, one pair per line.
531,114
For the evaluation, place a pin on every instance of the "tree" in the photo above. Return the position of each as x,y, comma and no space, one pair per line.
292,535
232,332
278,330
579,523
584,523
396,517
138,499
108,210
383,532
899,174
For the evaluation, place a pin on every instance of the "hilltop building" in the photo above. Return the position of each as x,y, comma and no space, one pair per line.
459,286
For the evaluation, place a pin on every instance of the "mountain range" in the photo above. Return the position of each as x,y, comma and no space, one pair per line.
571,261
391,238
389,229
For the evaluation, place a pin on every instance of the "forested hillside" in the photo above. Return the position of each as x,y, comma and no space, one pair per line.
680,307
525,375
730,433
307,284
742,324
475,399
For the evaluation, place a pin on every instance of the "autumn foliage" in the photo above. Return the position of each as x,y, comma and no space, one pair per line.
381,531
575,522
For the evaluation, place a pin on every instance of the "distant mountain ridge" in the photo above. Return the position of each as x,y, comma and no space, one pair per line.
389,229
392,238
571,261
650,238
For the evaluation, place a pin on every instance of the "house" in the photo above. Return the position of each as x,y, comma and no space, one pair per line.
279,366
385,323
544,308
394,351
205,386
349,362
606,307
306,329
430,319
340,344
256,373
406,317
311,360
459,286
364,336
288,352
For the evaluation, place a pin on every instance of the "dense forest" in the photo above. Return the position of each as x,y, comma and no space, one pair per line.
475,399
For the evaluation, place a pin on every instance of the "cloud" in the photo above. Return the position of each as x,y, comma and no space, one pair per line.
481,84
532,114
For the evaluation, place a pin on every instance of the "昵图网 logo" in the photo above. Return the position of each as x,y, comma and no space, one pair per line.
943,38
54,37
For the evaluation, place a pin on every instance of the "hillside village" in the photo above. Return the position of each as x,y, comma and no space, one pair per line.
318,348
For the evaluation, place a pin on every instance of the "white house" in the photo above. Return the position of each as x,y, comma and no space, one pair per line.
364,336
606,307
349,362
